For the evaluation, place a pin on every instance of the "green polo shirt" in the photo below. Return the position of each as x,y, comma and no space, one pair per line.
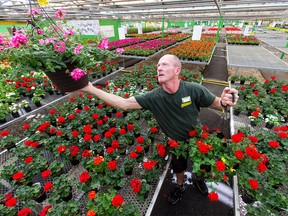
179,112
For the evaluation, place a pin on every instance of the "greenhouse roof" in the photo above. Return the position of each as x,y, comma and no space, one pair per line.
152,10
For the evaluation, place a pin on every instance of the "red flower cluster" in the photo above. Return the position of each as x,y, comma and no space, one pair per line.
91,212
148,165
173,143
220,166
273,144
154,130
161,150
17,176
87,129
236,138
92,194
61,149
130,127
117,200
239,154
136,185
261,167
26,126
98,160
140,139
9,200
112,165
74,150
48,186
133,154
42,128
28,159
213,196
192,133
45,174
86,153
31,143
253,184
253,153
45,210
139,149
84,177
24,212
204,148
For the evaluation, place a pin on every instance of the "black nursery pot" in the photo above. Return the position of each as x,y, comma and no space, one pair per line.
65,82
42,196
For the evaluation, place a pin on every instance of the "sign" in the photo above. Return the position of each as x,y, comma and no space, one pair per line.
85,27
197,32
140,29
248,30
107,31
121,32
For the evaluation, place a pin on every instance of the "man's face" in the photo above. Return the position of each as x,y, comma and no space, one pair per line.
166,69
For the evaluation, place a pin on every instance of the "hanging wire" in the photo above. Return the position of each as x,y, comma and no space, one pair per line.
51,21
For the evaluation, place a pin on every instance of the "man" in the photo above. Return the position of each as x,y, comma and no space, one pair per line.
176,107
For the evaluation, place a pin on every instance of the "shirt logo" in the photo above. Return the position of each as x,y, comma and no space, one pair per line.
186,101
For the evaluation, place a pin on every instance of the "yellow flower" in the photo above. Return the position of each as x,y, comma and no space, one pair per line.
231,169
43,2
223,160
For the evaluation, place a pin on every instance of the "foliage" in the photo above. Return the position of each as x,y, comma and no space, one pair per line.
42,46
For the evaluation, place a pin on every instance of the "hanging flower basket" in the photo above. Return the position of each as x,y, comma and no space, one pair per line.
64,81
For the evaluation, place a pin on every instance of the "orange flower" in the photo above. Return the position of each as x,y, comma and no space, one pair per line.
92,194
91,213
98,160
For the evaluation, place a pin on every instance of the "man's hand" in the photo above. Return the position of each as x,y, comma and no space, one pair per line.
229,97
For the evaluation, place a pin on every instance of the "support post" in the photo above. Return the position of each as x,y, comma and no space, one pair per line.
163,27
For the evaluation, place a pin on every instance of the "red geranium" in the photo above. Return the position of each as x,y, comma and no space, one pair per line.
273,144
239,154
28,159
84,177
10,201
220,166
117,200
91,194
112,165
261,167
213,196
133,154
173,143
45,210
24,212
139,149
87,129
98,160
74,150
253,184
45,174
61,149
18,175
48,186
130,127
140,139
136,185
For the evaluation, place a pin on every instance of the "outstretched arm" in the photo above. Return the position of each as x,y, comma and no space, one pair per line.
226,99
113,100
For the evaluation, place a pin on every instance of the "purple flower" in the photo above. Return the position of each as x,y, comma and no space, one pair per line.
77,73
